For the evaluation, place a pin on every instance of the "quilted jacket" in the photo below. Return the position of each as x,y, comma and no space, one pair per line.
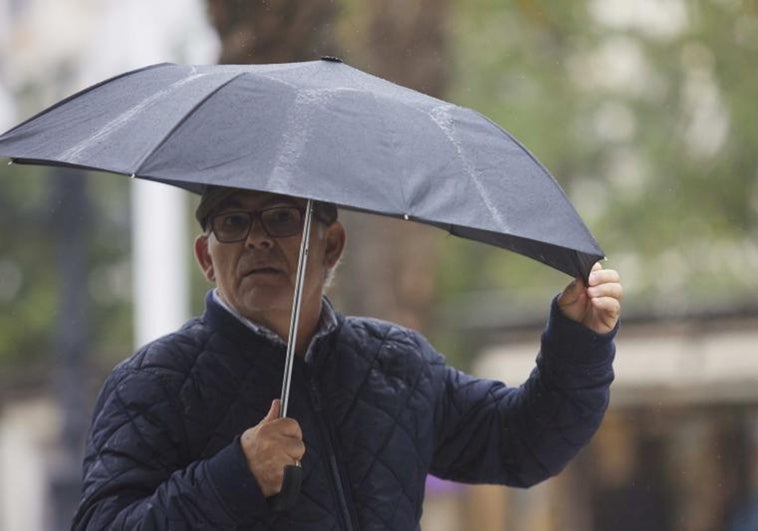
378,407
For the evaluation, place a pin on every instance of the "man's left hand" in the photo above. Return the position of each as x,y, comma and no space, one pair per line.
596,306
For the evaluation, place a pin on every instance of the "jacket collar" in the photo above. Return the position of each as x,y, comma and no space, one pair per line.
216,307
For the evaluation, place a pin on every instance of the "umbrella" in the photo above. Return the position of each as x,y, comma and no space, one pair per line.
319,130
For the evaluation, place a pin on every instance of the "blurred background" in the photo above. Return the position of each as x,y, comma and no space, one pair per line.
646,114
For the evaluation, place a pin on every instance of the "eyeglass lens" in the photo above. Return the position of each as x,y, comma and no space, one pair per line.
277,222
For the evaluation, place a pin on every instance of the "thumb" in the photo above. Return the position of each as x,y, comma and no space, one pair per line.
273,412
572,292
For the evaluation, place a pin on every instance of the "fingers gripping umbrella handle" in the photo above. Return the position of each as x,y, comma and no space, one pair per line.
293,474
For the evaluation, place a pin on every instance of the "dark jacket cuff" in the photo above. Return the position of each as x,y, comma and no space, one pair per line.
573,356
235,484
572,342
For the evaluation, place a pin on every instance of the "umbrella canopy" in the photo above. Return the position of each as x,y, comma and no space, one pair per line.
320,130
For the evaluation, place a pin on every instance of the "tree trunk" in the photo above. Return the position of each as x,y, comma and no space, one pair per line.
389,269
390,266
273,31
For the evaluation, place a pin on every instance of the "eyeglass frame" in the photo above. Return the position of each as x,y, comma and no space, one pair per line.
257,215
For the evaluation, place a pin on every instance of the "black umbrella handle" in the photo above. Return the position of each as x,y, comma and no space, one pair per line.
285,500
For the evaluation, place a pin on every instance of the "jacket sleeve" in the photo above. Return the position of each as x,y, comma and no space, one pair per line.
487,432
136,473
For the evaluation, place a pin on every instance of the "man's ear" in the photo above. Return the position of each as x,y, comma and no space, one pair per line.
335,243
203,257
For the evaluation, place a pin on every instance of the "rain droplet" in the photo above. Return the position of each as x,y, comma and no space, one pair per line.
405,217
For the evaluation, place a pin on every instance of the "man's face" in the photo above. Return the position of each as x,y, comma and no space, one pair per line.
256,276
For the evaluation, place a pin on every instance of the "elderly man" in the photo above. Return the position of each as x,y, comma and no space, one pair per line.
186,433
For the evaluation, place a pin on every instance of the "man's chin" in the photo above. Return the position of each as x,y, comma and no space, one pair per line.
260,303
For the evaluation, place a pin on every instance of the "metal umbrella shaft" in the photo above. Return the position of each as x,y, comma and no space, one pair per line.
293,474
296,303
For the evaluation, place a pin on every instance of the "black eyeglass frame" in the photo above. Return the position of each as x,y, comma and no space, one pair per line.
258,215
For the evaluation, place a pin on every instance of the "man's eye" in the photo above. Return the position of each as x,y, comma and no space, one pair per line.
282,216
231,221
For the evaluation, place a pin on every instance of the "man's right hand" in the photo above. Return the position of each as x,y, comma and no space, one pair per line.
270,446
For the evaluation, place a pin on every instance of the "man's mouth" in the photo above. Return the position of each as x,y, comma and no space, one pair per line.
263,271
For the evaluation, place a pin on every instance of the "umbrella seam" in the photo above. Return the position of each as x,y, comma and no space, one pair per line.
527,153
181,122
74,153
85,91
291,150
440,115
405,203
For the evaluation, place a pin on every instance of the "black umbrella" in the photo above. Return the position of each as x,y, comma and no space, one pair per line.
320,130
323,131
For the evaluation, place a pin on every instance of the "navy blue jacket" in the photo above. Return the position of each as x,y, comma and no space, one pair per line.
378,407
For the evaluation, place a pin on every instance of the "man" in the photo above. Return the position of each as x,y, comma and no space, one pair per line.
186,433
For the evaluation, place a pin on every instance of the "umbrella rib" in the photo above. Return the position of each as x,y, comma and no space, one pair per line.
74,153
85,91
189,113
403,198
581,261
556,185
525,151
291,149
441,117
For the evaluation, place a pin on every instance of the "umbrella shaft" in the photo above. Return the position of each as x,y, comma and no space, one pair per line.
296,303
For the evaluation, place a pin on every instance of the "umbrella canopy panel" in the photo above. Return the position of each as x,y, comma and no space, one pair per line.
319,130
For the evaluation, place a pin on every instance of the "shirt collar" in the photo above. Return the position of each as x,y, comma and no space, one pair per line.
327,323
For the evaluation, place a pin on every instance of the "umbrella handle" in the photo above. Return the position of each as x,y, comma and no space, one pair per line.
293,479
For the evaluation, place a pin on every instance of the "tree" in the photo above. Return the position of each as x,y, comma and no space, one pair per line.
273,31
392,263
644,118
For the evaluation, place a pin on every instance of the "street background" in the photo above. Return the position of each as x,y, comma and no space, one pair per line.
645,112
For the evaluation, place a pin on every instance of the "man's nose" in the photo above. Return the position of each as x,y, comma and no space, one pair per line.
258,237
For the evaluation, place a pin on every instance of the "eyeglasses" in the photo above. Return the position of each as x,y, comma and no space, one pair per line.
277,222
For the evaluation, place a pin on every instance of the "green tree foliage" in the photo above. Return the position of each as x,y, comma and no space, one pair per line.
27,282
30,283
645,113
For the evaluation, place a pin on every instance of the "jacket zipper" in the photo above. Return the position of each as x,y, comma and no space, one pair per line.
327,437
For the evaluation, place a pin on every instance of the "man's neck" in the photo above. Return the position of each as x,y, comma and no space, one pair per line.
278,321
